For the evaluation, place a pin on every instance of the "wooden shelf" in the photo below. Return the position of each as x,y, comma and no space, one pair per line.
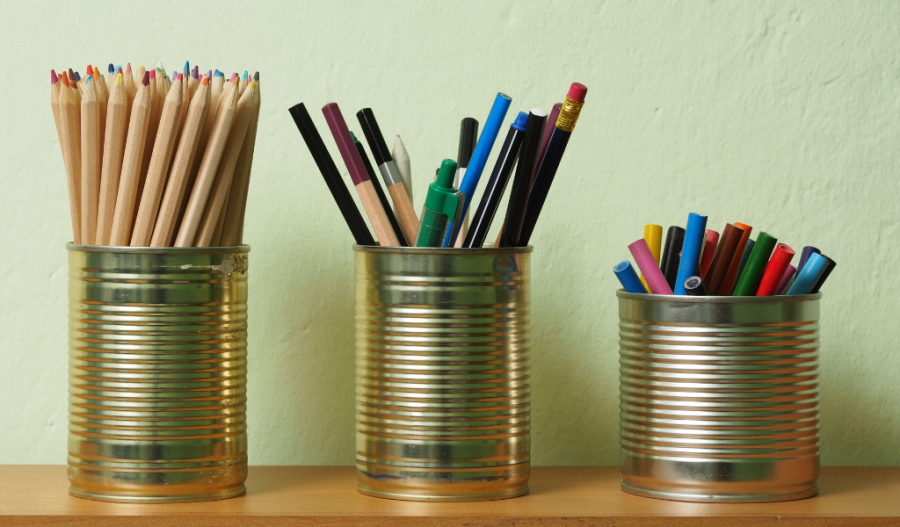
583,496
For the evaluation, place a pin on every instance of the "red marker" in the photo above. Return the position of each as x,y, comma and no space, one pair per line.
779,261
709,250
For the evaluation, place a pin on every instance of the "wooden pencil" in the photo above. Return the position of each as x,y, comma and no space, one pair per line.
216,240
113,150
225,173
70,124
55,84
102,101
181,166
157,99
159,164
232,229
131,165
90,161
206,174
130,91
217,87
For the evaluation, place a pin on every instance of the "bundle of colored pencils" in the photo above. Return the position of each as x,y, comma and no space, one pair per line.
154,160
697,261
534,145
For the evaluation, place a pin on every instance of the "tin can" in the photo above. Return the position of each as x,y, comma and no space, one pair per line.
443,373
157,373
719,397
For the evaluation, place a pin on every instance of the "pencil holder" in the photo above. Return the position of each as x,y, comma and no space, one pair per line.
719,397
443,373
157,373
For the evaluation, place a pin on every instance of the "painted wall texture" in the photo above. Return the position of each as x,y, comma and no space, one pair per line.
780,114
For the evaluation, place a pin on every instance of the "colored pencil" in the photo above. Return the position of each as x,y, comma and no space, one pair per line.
382,197
233,229
90,161
113,153
70,125
132,160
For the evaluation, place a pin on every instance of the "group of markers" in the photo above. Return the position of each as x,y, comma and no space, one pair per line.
156,160
699,262
534,141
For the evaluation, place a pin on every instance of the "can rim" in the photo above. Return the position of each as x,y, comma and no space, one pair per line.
70,246
646,297
443,251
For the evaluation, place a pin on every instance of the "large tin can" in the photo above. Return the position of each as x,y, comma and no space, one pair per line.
719,397
157,373
443,373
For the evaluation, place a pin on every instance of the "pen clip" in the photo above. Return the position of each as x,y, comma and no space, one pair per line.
457,199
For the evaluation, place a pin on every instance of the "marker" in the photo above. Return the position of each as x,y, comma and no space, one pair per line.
332,177
725,252
496,185
778,263
653,237
518,197
746,256
376,213
628,278
811,273
468,137
565,125
443,207
671,254
829,266
395,225
709,249
748,282
785,279
480,155
693,286
690,251
805,254
644,258
736,263
389,173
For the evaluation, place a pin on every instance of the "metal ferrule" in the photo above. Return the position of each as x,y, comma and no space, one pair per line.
443,373
568,115
719,397
157,373
390,173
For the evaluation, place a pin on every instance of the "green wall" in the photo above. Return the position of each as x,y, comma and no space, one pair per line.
780,114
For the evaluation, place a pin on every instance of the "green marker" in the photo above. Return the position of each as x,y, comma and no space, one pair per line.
443,204
748,282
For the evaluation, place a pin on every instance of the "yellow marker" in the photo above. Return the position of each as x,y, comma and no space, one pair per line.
653,237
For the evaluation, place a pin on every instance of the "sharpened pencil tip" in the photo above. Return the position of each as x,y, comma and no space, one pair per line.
181,77
244,76
90,71
111,68
205,80
187,65
128,68
256,76
53,78
234,77
146,80
159,65
152,74
119,78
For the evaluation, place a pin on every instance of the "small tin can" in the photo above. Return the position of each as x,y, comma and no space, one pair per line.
157,373
719,397
443,373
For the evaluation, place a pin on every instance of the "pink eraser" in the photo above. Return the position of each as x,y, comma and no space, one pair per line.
577,92
647,264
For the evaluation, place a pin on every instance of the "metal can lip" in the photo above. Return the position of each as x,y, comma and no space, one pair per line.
442,251
645,297
70,246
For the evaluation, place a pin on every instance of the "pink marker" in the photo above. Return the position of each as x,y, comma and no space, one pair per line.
785,280
709,250
647,264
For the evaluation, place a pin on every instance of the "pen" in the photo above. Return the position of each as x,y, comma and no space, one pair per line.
468,137
443,206
480,155
493,191
518,197
672,254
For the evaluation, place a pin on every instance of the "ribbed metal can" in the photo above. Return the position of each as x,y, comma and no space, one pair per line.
443,373
719,397
157,373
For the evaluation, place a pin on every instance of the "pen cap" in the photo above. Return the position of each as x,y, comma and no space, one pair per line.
468,137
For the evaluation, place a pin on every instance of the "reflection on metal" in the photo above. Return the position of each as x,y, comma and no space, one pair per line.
443,373
719,397
157,373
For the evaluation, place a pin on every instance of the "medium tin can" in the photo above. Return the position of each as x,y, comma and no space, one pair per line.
157,373
443,373
719,397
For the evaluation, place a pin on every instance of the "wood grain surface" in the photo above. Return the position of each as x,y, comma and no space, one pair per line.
571,496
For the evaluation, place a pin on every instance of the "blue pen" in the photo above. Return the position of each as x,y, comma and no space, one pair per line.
811,273
629,278
480,155
694,236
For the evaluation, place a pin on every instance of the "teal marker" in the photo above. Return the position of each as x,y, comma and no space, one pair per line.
443,205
